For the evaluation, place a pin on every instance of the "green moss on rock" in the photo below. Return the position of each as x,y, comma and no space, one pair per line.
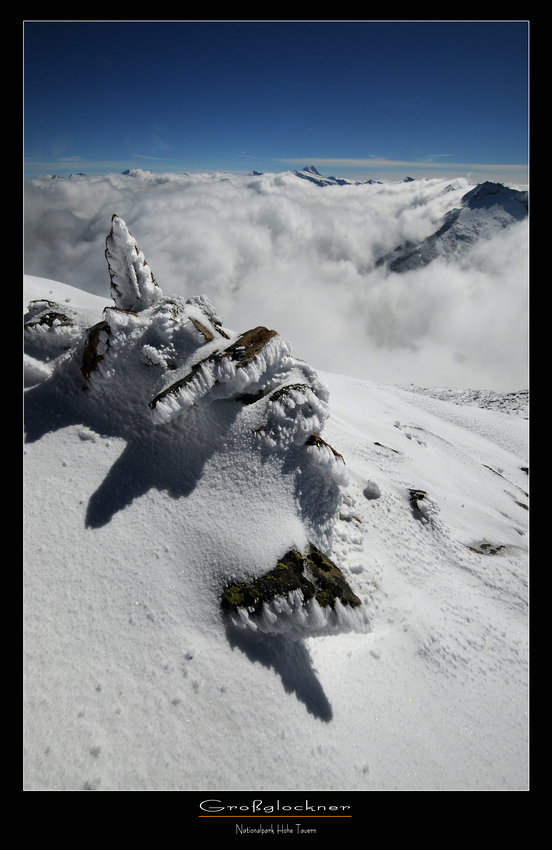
314,574
330,581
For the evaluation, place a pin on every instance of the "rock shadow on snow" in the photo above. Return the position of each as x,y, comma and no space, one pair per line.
171,463
291,661
169,460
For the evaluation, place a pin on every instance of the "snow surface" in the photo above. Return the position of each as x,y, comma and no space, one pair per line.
133,679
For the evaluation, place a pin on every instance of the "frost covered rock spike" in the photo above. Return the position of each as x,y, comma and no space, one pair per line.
133,286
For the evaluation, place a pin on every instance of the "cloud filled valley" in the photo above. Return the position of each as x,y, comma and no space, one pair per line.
289,254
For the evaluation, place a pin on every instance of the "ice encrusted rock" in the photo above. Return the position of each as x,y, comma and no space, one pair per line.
167,371
304,595
231,368
192,359
133,286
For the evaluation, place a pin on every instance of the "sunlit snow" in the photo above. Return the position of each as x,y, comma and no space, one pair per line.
159,466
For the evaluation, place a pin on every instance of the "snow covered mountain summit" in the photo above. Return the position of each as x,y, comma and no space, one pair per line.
171,376
310,173
486,209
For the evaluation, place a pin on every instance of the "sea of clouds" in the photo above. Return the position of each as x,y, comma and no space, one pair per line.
279,251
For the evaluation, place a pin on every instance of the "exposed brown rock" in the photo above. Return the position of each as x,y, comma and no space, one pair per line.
202,329
316,440
485,548
415,497
90,357
283,391
247,346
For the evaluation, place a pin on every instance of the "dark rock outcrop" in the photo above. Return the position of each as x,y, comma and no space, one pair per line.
314,574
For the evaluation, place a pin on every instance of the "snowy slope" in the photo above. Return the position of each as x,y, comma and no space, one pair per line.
133,677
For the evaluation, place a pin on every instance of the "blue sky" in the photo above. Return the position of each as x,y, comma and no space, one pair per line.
360,100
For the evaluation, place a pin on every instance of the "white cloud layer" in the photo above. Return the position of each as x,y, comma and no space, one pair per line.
282,252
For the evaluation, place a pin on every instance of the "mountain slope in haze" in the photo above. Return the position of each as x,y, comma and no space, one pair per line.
485,210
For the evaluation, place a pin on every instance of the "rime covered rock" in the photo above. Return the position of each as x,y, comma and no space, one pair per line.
230,369
167,371
50,329
96,344
249,367
133,286
304,595
46,314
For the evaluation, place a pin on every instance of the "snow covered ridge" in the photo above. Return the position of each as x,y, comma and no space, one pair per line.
485,210
515,403
167,372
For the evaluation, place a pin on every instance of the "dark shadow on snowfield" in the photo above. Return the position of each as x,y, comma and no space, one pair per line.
291,660
167,460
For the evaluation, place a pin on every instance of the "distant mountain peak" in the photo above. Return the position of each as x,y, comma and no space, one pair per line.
485,210
135,172
488,194
310,173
